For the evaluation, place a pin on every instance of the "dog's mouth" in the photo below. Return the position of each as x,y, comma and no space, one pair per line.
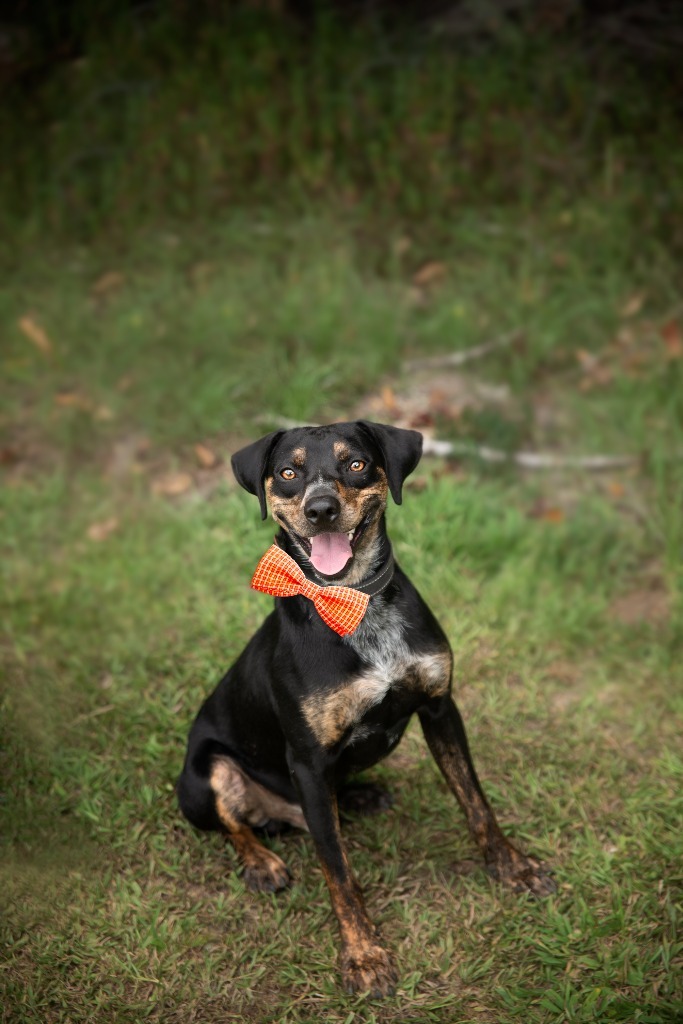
332,553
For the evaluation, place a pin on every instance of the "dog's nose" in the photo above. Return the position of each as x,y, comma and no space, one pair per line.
322,510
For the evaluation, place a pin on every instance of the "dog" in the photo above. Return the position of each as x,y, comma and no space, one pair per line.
306,706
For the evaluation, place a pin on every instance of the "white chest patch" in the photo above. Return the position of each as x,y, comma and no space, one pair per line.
380,641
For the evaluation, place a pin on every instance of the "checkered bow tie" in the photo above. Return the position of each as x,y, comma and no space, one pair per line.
342,608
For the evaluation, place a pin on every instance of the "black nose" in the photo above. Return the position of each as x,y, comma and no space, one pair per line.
322,510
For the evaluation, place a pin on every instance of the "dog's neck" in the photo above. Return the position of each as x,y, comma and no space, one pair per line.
372,568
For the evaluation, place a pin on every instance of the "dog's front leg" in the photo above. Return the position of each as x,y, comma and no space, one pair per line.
365,964
445,734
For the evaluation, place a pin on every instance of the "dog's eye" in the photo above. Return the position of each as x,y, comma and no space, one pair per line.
357,466
287,474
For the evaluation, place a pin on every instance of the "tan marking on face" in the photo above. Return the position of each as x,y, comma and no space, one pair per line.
355,500
288,509
299,458
241,800
341,450
364,556
355,505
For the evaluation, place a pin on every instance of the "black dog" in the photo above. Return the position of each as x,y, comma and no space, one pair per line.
304,708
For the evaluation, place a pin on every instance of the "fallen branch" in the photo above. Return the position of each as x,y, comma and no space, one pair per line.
467,355
276,422
528,460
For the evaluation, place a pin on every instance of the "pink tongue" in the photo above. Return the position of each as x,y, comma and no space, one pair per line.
330,552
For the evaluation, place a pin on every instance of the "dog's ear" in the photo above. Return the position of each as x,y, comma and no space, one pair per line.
250,464
401,450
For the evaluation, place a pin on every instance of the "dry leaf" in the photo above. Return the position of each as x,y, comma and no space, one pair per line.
421,420
673,339
595,373
107,284
633,305
73,400
205,457
401,245
429,273
35,334
624,338
587,360
172,484
552,515
438,397
389,399
548,513
417,484
8,456
100,531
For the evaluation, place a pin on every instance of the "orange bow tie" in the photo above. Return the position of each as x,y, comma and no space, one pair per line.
342,608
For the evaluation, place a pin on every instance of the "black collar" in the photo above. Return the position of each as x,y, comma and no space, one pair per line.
380,580
375,583
372,585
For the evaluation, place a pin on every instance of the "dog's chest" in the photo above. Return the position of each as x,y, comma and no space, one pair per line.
389,664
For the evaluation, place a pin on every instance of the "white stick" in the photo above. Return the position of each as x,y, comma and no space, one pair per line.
528,460
467,355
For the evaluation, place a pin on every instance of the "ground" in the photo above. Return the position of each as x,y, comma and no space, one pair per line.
139,354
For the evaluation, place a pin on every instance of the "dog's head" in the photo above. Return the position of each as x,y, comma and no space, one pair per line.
327,488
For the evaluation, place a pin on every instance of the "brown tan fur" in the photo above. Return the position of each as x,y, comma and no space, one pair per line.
284,510
241,802
247,800
364,964
329,715
289,512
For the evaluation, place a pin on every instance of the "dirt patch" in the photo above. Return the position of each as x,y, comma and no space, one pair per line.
431,395
649,606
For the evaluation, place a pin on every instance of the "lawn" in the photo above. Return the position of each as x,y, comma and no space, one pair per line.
139,349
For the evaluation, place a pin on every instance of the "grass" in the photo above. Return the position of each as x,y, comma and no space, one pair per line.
126,560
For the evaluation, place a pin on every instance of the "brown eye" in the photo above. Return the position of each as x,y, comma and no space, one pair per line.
357,466
287,474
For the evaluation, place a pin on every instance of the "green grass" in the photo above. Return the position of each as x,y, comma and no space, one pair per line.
561,592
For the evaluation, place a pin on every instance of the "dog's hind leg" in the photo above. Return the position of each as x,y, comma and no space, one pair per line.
241,803
445,734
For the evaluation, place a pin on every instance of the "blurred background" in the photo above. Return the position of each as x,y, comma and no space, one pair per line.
219,218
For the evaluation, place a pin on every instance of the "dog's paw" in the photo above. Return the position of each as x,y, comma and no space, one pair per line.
368,969
266,873
522,874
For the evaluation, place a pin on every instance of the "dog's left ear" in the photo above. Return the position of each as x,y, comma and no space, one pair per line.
401,450
250,464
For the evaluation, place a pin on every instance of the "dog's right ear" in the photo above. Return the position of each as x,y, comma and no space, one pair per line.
250,464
